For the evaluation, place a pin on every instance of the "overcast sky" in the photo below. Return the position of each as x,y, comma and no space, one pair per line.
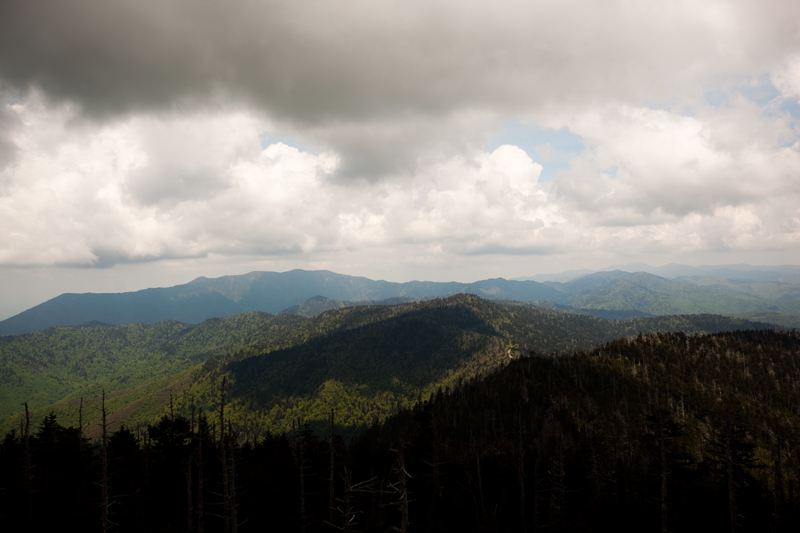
145,143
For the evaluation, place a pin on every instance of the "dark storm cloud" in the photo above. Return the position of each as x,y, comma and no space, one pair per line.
8,150
316,65
148,130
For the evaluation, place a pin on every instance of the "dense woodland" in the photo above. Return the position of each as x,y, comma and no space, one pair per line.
365,362
660,432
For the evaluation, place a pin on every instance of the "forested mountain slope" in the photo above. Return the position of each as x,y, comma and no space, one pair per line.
664,431
653,432
366,362
61,364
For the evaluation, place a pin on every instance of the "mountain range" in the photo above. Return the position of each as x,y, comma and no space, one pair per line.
457,382
365,361
608,294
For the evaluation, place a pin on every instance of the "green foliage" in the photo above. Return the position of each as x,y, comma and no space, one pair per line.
380,359
653,427
523,435
61,365
367,362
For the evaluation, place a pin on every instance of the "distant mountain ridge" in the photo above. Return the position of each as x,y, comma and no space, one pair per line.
782,273
611,294
648,293
270,292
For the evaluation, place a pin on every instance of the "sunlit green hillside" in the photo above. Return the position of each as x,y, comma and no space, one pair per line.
365,362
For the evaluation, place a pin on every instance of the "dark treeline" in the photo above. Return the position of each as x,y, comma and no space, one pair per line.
664,432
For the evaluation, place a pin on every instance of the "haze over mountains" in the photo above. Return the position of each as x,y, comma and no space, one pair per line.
783,273
769,294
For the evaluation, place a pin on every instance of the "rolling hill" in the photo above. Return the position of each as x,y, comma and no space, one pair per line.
366,362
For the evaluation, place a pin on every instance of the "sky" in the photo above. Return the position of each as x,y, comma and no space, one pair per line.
146,143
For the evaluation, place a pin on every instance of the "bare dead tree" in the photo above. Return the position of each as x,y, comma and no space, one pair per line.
232,506
401,488
475,449
80,423
189,465
778,473
226,516
557,487
346,509
664,472
104,460
731,484
520,453
26,436
200,476
332,485
536,463
301,465
436,462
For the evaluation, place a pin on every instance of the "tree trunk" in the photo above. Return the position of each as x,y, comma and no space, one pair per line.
226,514
189,464
26,436
436,462
301,464
332,485
104,459
731,493
536,493
557,488
662,446
232,488
778,486
521,477
476,451
80,423
200,477
403,492
347,512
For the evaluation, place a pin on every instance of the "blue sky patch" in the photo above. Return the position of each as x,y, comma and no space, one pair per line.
762,92
791,107
268,138
611,172
550,148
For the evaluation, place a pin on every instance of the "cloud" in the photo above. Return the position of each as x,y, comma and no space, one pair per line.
379,81
195,185
8,150
786,77
187,157
130,131
130,191
667,164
